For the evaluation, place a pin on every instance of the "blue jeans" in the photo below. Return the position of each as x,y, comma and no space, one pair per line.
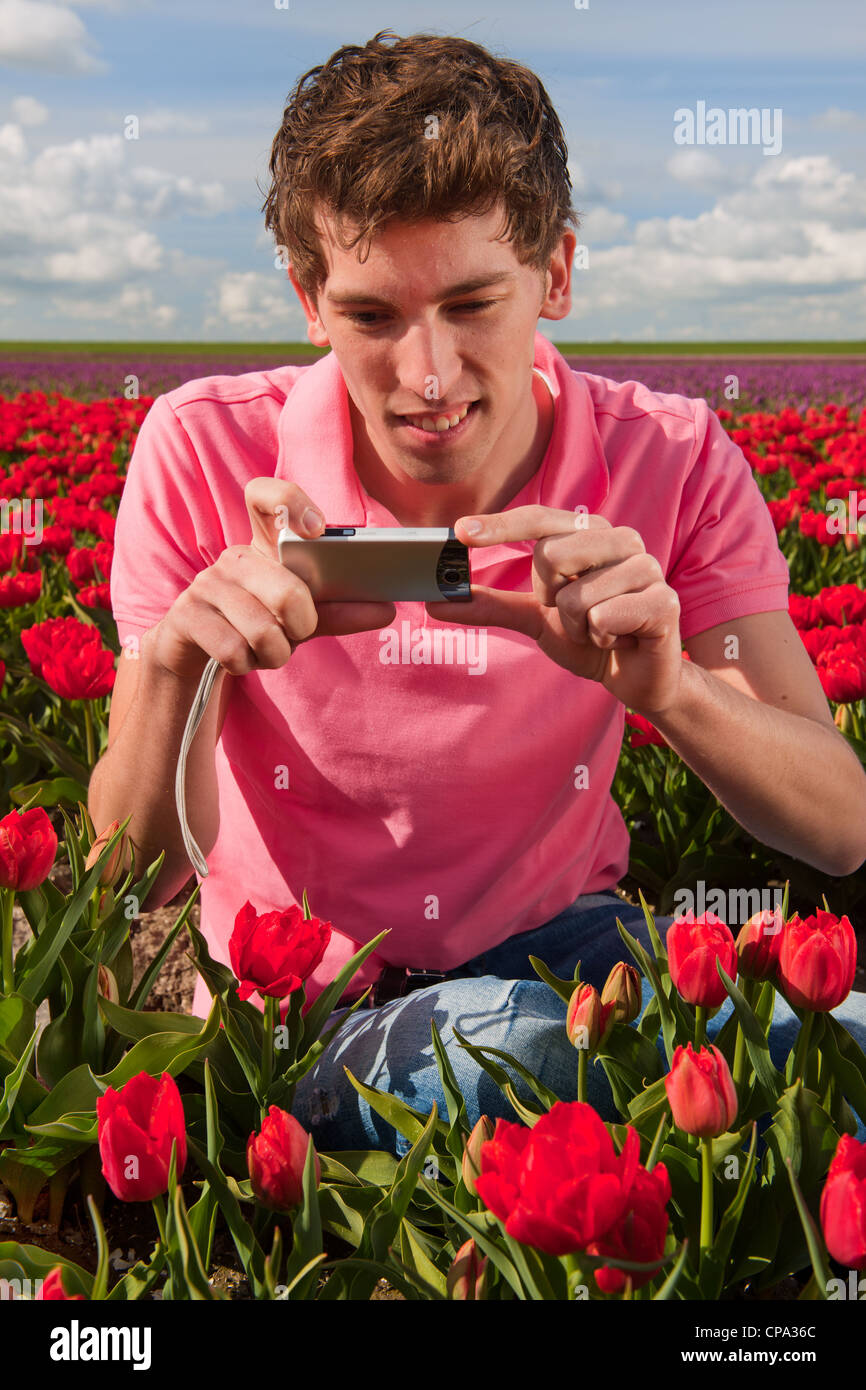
496,1000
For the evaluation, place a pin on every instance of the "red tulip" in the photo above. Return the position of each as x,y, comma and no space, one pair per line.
843,1204
45,640
28,845
52,1288
643,732
276,1158
758,944
817,960
842,673
561,1184
466,1280
18,589
137,1126
587,1020
843,603
80,673
700,1091
694,945
276,951
640,1233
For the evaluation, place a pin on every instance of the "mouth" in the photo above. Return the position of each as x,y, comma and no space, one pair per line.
439,425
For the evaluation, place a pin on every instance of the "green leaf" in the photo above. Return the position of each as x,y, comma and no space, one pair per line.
713,1265
846,1062
12,1084
481,1055
32,1262
375,1166
564,988
408,1122
768,1079
48,792
817,1255
475,1225
54,937
668,1288
307,1249
318,1012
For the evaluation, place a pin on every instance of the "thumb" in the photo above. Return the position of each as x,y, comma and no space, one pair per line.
493,608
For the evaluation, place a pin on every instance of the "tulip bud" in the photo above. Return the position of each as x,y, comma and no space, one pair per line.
276,1158
106,985
588,1021
817,960
467,1277
119,861
701,1092
471,1167
622,989
758,944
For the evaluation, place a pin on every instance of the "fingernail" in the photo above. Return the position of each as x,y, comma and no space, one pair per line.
473,528
312,520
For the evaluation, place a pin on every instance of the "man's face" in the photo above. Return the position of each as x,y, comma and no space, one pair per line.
436,326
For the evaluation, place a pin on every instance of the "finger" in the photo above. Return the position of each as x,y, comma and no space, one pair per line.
650,616
526,524
273,503
340,619
492,608
631,575
557,560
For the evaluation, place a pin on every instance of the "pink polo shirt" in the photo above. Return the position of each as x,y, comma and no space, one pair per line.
450,784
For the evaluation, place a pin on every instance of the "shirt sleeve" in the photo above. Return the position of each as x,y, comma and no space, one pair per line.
168,526
725,559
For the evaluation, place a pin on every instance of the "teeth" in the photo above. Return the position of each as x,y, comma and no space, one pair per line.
436,425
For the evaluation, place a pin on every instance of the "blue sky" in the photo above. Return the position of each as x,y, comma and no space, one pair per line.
162,237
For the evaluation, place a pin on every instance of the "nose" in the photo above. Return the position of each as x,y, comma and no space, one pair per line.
428,364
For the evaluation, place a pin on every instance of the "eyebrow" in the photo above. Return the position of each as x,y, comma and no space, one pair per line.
477,282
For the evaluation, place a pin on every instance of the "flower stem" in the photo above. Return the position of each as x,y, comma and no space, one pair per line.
89,734
706,1195
803,1044
271,1014
582,1061
158,1204
700,1025
7,904
740,1053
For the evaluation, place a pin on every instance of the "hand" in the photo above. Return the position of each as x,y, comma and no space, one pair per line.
247,609
599,605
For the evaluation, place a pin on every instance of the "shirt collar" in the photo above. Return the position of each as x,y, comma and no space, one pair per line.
315,449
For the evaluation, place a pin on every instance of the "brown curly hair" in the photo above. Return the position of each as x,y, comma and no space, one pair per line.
356,138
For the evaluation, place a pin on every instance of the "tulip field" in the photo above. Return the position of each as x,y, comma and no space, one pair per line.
729,1174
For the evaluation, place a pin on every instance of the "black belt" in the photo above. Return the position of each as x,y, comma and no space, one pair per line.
397,980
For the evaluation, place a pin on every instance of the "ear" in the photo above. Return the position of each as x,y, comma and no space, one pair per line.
557,301
315,328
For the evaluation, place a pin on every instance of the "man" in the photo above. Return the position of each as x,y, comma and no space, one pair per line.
421,190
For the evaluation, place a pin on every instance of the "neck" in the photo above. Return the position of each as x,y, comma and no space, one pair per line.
506,472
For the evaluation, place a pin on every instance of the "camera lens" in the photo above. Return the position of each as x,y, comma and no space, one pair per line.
452,576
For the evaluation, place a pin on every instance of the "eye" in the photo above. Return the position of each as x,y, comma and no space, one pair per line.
367,318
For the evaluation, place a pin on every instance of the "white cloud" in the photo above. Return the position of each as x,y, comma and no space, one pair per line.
788,243
601,225
254,300
134,304
29,111
12,144
695,166
835,119
78,213
45,36
164,120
